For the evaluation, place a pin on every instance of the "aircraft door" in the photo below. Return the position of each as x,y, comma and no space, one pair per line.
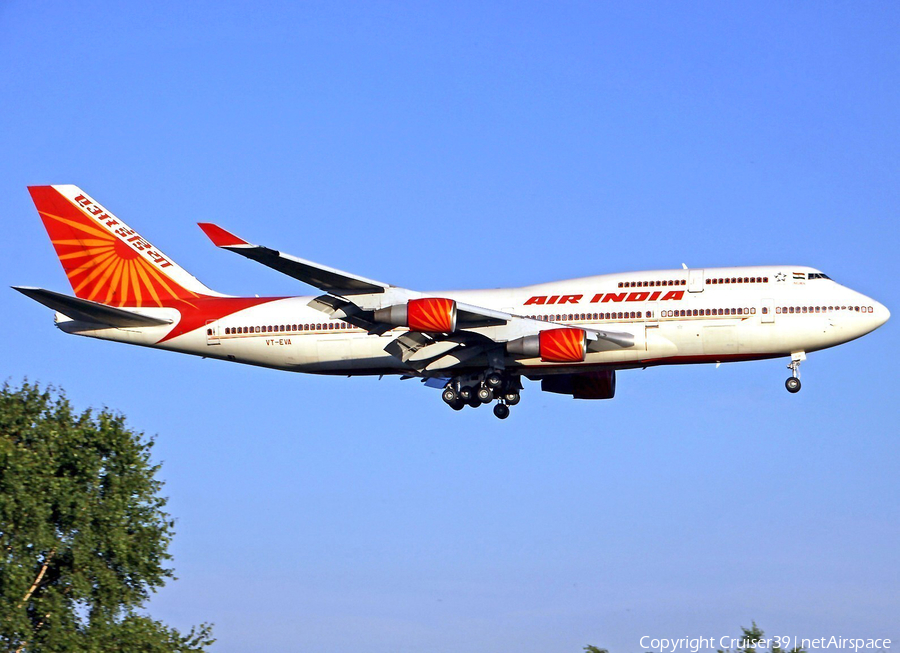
695,280
767,311
212,332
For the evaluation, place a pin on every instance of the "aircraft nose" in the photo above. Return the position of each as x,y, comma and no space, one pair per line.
881,314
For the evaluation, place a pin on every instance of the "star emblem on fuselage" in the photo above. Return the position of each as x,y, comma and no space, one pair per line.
781,276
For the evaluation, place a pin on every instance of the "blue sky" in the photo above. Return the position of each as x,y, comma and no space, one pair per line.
436,145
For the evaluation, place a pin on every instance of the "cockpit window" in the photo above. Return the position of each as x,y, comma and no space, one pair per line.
817,275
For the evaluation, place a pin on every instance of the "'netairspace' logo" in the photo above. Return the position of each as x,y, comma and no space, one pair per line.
696,644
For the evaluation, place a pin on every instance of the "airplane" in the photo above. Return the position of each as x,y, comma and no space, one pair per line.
476,345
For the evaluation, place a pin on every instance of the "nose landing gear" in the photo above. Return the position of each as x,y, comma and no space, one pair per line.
793,382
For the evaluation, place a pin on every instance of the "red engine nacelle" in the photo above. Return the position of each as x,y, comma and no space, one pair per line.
429,315
552,345
563,345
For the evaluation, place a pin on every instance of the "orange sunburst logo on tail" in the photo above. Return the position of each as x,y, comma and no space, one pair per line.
104,259
563,345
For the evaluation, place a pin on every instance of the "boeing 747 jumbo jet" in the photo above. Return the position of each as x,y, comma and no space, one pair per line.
477,345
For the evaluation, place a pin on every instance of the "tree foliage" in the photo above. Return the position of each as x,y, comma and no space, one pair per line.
83,531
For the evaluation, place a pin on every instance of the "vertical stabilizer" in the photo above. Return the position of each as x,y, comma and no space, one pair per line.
105,260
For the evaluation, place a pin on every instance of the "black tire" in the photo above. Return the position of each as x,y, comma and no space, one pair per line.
457,405
493,380
466,393
449,395
792,385
501,411
474,402
485,395
512,398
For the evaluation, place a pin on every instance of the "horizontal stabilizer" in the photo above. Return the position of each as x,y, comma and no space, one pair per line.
316,275
88,311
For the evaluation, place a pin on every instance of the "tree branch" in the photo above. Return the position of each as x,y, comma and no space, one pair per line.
37,581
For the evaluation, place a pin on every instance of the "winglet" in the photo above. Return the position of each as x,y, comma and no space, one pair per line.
219,236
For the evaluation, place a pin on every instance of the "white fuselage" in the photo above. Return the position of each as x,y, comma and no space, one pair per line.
675,316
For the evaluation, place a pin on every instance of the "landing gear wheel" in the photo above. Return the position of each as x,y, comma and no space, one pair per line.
485,395
493,380
450,396
465,393
457,405
792,384
501,411
512,398
474,402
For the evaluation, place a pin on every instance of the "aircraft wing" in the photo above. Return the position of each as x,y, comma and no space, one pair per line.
320,276
477,329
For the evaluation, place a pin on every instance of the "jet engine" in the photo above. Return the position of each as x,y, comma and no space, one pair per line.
429,315
589,385
552,345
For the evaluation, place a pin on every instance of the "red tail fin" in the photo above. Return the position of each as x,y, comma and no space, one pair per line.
105,260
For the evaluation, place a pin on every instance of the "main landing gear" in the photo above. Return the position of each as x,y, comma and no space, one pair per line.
793,382
483,389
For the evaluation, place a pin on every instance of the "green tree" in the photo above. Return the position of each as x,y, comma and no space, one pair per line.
83,531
